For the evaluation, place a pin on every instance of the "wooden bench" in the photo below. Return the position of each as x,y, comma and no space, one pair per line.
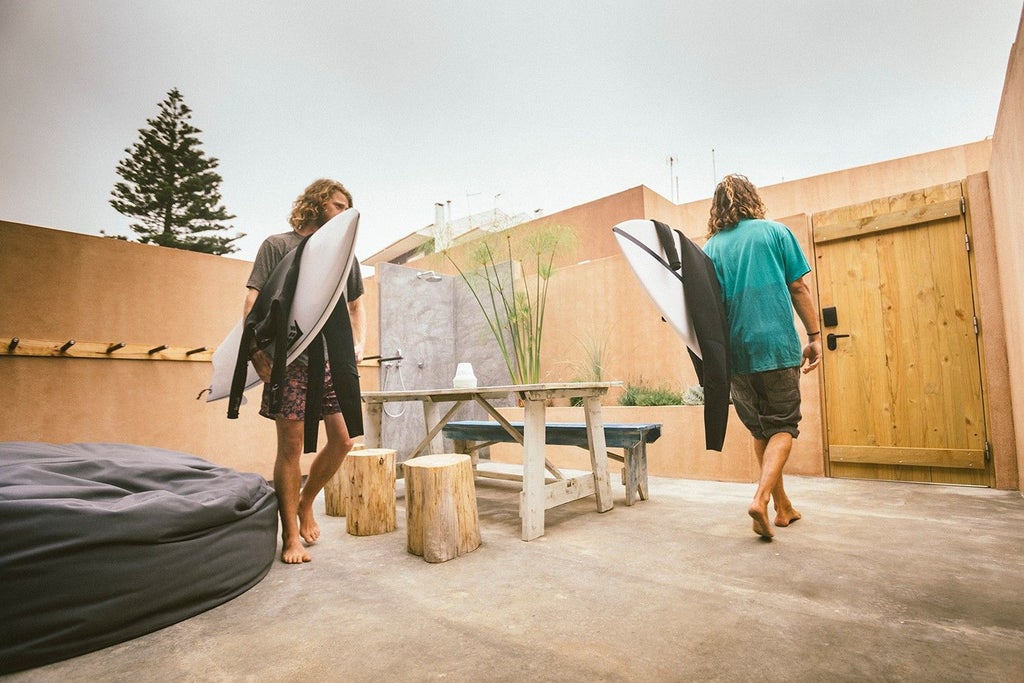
472,435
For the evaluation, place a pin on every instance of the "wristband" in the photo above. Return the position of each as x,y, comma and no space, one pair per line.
814,334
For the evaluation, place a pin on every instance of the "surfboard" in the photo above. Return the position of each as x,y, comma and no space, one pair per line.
323,272
638,240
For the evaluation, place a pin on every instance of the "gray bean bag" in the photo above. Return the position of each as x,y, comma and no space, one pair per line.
100,543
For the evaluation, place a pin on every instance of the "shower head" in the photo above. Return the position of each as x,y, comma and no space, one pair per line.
428,275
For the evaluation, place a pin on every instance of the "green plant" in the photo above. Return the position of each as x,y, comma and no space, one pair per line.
641,394
595,348
594,343
694,396
172,187
515,305
425,249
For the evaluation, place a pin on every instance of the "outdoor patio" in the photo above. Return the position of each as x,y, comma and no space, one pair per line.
878,581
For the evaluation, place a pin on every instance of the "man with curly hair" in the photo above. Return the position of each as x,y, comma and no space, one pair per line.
319,203
762,270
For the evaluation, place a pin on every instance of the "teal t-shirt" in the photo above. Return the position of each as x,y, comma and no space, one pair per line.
755,262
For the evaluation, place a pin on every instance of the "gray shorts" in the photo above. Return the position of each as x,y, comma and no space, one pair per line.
768,402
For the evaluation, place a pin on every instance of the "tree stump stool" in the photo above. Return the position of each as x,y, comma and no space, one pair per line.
336,489
440,504
371,492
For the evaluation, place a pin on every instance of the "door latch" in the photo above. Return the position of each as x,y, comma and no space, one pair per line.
830,340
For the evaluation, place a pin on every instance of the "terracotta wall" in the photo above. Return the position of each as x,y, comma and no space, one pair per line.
60,286
601,305
992,338
596,301
591,221
854,185
1006,180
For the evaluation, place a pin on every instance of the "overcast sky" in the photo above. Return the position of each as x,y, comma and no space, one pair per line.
514,105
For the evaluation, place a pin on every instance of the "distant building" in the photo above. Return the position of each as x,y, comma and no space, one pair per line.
446,232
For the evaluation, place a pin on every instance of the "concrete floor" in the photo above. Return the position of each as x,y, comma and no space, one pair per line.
878,582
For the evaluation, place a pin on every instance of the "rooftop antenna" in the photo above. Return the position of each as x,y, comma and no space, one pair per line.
494,214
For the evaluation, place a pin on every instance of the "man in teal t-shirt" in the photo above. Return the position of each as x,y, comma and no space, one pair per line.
761,269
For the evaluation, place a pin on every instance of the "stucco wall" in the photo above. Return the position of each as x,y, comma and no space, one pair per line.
595,300
61,286
1006,180
601,304
854,185
591,221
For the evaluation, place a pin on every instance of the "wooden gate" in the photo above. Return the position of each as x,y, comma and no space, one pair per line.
902,372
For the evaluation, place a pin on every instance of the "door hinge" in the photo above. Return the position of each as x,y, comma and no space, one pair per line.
963,205
976,326
967,241
988,452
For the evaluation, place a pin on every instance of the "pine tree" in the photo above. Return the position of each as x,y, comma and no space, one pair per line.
170,185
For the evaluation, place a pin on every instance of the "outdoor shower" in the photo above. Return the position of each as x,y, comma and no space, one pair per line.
416,330
387,365
428,275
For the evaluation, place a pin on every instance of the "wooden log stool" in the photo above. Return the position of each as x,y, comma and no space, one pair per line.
440,505
371,492
336,489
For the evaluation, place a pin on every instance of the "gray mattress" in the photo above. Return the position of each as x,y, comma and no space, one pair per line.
100,543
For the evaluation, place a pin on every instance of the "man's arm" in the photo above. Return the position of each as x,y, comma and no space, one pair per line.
357,314
250,299
260,360
800,294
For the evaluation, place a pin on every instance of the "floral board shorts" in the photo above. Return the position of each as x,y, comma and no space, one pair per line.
768,402
293,395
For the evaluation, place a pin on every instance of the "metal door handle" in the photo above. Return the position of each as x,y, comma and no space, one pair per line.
830,340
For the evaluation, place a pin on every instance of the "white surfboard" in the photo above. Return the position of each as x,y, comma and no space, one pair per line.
639,242
323,272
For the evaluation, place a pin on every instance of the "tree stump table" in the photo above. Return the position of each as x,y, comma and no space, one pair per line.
336,489
440,504
371,492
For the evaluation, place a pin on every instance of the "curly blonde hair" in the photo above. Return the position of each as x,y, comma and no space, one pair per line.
735,198
309,206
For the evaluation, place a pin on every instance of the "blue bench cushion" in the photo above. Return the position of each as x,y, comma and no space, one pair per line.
556,433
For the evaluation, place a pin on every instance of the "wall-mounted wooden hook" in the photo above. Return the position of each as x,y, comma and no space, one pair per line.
115,347
13,345
157,349
199,350
67,345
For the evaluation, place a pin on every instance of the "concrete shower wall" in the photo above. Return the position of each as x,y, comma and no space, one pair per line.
436,325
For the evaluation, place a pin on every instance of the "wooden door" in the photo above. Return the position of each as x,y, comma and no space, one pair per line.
902,372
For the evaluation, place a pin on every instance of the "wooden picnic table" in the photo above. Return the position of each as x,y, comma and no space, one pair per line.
537,496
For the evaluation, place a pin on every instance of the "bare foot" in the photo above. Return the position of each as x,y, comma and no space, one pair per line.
787,517
760,517
294,553
309,530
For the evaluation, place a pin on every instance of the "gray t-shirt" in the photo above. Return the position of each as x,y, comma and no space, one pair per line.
274,248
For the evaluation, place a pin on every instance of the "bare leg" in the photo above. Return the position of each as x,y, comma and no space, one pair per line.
287,483
785,513
323,467
774,454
